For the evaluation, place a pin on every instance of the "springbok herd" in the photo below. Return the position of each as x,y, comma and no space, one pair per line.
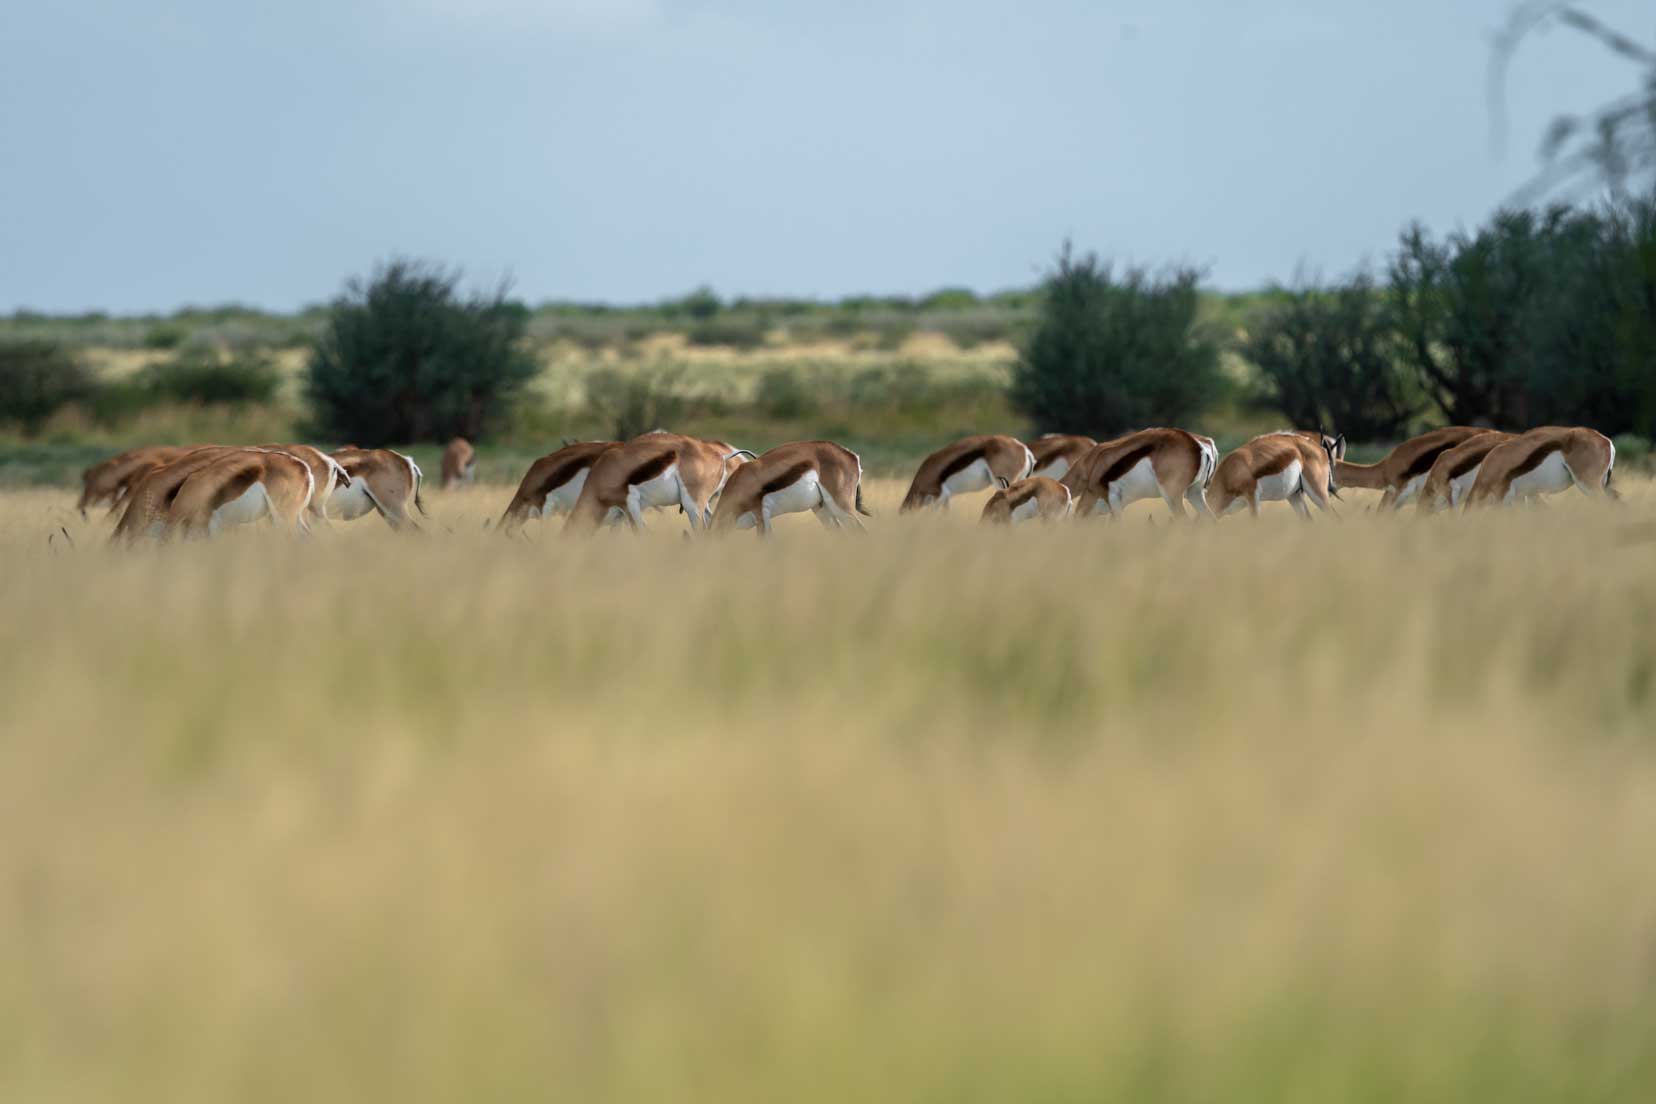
200,490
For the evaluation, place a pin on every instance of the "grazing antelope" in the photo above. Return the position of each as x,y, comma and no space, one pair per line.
110,480
1056,453
1036,498
1455,470
329,474
1289,465
381,481
819,476
1545,461
459,463
968,465
242,486
654,470
1402,472
553,483
149,504
1172,463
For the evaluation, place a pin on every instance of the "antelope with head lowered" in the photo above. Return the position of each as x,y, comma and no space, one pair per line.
1545,461
651,471
212,488
819,476
1037,498
1056,453
970,464
459,463
110,480
552,485
1289,465
1455,470
382,482
1402,472
1172,464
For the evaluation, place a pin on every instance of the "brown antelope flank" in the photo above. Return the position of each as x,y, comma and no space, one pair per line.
1056,453
818,476
1037,498
969,464
655,470
381,481
214,487
1455,470
108,481
1545,461
553,483
1286,466
1402,472
459,463
329,474
1170,463
240,487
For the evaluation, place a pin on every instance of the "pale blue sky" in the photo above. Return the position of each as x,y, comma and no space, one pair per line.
201,151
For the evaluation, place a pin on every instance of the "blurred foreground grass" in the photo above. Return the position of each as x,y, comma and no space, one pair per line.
1355,811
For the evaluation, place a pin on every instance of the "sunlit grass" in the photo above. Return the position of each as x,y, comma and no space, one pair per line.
1142,811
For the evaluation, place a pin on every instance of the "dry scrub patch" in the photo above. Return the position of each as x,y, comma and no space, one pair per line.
1139,811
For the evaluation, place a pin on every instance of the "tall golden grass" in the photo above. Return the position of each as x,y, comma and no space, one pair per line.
1139,811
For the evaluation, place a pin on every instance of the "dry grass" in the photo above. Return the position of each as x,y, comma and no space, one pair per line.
1355,811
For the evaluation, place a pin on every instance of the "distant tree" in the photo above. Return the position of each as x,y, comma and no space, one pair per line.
404,357
37,379
1109,355
1328,358
1537,317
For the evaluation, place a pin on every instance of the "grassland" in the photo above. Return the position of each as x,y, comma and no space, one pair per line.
1348,811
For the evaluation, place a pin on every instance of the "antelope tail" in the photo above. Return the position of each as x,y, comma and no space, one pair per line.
861,509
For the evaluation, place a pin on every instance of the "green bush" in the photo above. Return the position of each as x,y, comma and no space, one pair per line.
1536,318
730,330
1327,358
783,394
165,336
1109,354
208,378
631,403
404,357
37,379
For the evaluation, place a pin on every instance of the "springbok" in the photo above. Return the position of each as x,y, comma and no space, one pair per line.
381,481
655,470
819,476
553,483
459,463
242,486
329,474
1545,461
152,505
1171,463
1056,453
1455,470
968,465
1036,498
109,481
1289,465
1402,472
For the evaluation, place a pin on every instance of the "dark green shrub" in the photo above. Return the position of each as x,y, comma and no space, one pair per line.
38,378
1327,357
631,403
165,336
404,357
1109,354
730,330
783,394
207,378
698,306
